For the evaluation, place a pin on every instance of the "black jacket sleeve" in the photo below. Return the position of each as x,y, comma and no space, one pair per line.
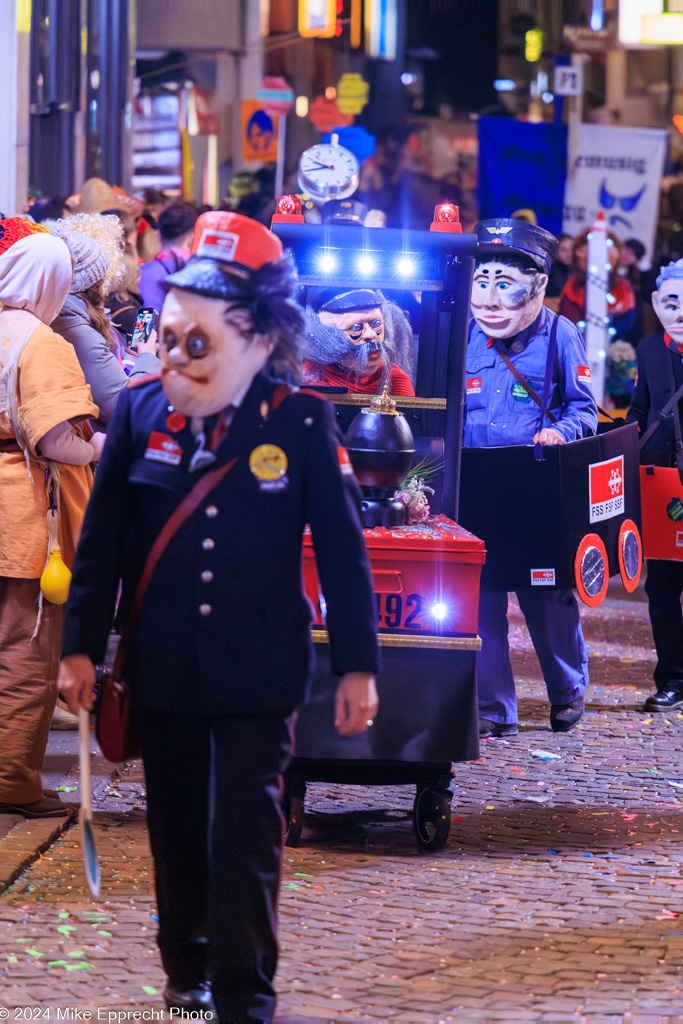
640,403
332,501
97,570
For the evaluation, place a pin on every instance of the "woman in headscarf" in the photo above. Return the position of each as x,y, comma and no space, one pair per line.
96,244
43,456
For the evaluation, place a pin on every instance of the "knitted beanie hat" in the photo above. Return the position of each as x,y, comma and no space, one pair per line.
89,260
102,253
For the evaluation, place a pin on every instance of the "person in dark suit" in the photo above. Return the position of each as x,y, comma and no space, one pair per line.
660,374
221,651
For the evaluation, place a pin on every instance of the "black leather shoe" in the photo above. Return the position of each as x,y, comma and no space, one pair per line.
192,999
497,730
564,717
665,700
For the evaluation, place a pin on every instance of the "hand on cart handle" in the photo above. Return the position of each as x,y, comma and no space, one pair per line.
548,436
75,681
356,703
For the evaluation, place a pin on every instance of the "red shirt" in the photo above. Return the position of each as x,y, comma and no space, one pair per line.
316,373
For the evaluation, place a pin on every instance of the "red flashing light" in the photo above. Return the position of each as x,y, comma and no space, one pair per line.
446,218
289,205
288,211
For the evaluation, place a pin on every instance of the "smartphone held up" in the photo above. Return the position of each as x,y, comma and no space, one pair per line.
146,321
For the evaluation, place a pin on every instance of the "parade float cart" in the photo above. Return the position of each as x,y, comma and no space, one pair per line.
570,519
426,576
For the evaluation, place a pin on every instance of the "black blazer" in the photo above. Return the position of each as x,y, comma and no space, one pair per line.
225,626
653,391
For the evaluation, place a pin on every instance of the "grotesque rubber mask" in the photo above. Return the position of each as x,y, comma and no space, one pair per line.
209,353
505,299
668,305
364,330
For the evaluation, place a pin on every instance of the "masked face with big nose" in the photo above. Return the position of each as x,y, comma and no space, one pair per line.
364,329
506,299
209,352
667,302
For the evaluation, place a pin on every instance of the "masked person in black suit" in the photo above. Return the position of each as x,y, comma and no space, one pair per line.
660,375
220,653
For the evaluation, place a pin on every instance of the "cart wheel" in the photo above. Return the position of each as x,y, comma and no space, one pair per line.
591,570
293,811
630,555
432,818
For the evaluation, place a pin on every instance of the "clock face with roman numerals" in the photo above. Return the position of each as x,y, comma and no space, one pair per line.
328,172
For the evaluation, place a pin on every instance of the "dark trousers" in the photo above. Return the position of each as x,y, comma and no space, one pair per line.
552,618
215,828
664,586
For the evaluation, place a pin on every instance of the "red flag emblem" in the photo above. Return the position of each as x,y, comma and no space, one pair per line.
606,489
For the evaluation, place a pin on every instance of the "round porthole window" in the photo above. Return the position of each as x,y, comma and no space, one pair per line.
630,555
591,570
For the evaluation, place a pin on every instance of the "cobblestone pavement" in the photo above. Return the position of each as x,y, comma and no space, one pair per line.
559,896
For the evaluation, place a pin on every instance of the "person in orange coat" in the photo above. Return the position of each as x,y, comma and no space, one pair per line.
43,398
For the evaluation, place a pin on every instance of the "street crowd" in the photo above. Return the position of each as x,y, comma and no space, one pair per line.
177,405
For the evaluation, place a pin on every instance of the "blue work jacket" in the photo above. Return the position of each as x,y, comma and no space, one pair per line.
498,411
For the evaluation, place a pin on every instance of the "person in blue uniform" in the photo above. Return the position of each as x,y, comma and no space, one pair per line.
510,322
660,375
221,650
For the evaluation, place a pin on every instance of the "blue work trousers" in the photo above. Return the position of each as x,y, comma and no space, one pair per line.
552,617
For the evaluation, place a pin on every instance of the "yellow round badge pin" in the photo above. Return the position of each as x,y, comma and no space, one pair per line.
268,462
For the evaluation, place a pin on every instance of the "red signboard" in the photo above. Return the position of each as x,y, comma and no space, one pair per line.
606,489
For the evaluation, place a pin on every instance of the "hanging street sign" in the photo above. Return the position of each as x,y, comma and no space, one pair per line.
326,115
568,80
317,18
353,93
276,96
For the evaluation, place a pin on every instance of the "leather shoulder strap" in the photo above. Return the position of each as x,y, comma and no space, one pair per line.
178,518
281,392
520,380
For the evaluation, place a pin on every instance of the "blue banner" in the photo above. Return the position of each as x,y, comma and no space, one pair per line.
522,165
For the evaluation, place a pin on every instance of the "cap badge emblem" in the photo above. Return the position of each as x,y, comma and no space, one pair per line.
218,245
